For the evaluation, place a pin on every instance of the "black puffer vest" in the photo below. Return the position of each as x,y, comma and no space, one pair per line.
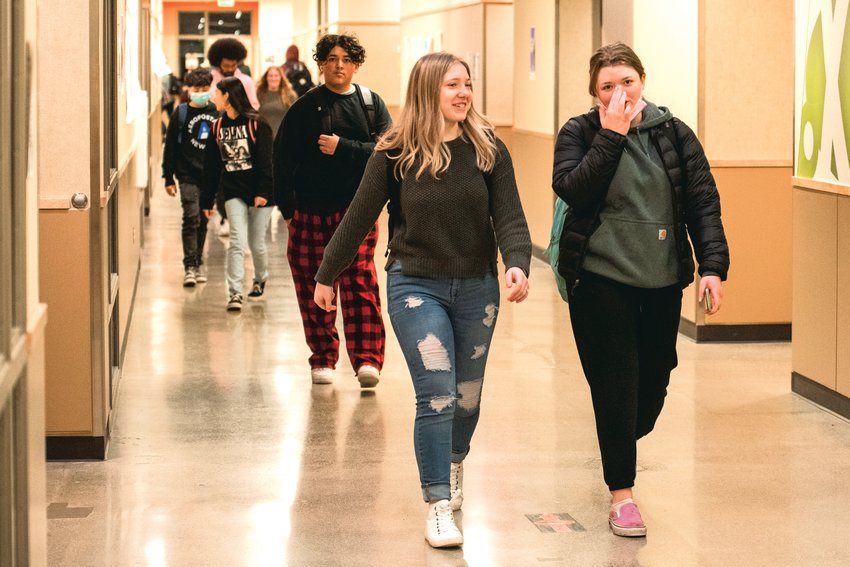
586,158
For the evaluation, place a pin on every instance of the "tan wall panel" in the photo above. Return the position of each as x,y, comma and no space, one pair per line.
65,287
130,203
749,79
36,467
499,63
690,306
63,33
813,352
532,156
574,50
535,97
843,298
382,70
459,31
758,290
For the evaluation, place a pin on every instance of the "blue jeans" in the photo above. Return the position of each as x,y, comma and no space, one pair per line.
248,226
444,327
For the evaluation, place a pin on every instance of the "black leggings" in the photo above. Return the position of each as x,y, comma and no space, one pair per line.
626,339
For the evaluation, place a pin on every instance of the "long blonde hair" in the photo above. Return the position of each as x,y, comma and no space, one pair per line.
286,92
416,139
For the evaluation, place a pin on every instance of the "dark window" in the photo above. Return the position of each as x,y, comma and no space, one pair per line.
192,54
192,23
230,23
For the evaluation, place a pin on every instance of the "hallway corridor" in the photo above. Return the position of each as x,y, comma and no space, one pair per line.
224,454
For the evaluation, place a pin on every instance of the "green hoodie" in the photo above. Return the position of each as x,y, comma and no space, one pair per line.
635,243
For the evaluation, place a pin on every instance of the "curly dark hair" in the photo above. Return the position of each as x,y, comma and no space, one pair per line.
349,43
226,48
198,78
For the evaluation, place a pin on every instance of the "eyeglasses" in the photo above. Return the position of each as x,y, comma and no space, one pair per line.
333,60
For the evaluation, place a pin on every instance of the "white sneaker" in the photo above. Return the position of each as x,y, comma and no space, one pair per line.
368,376
456,485
322,375
224,228
440,528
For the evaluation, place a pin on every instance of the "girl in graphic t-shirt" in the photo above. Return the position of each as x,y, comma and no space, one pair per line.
239,163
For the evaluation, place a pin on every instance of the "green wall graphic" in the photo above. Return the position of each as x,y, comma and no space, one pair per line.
822,91
811,121
844,85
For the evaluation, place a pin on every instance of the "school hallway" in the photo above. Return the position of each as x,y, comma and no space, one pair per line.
223,453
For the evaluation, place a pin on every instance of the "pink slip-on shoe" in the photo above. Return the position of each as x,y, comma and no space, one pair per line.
625,519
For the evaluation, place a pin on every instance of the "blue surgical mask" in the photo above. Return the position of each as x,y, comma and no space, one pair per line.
201,99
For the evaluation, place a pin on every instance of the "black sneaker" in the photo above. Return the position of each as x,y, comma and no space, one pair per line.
258,289
235,303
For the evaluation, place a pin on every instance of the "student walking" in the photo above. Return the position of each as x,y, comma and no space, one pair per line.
239,163
453,197
189,130
637,184
320,155
276,96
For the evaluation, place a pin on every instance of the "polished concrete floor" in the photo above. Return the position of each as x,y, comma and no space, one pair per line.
224,454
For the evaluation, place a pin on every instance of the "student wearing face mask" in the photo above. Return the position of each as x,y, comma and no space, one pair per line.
183,159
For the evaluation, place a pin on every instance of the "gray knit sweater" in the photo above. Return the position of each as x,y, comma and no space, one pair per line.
446,226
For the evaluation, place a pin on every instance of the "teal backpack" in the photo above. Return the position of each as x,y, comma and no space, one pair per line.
553,251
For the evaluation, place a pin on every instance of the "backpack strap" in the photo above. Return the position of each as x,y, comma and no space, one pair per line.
216,128
367,102
322,108
182,113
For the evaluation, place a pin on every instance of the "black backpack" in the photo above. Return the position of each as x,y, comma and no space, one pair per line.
299,77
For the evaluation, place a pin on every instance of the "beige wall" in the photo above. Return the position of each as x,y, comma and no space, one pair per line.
750,152
457,30
36,314
671,74
533,136
758,290
842,304
577,22
499,63
746,94
274,33
815,280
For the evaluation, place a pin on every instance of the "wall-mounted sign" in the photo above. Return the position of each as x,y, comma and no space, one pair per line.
822,91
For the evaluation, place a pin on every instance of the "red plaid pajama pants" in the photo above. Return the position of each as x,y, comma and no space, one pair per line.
356,289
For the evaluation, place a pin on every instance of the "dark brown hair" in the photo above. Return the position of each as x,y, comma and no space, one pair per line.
616,53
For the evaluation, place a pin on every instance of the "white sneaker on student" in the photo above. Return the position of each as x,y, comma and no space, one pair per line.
322,375
440,527
368,376
456,485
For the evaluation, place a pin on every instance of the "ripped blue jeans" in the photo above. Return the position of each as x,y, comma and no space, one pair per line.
444,327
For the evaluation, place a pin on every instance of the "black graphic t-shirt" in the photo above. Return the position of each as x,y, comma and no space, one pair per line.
185,144
238,161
